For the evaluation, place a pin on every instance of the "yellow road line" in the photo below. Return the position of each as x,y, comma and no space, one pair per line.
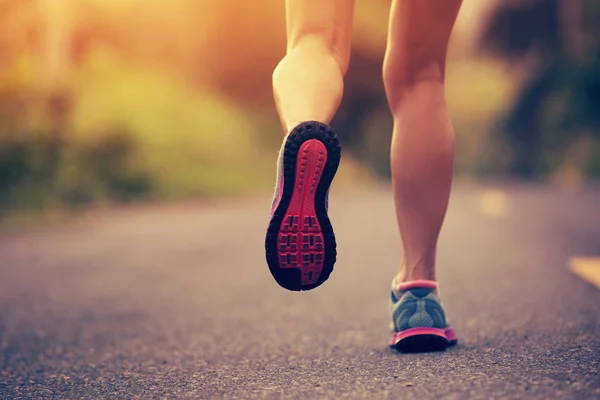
493,203
587,269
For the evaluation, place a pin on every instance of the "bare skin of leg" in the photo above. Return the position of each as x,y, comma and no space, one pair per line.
422,151
309,82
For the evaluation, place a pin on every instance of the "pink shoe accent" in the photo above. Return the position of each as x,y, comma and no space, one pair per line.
398,336
300,240
450,335
447,334
420,284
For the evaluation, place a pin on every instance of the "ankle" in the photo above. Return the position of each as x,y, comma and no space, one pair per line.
416,273
401,283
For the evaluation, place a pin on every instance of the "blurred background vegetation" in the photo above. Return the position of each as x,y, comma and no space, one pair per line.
107,101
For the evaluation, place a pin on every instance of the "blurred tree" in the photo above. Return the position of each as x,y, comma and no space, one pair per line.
554,41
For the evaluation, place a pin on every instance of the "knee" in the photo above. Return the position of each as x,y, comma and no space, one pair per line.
402,74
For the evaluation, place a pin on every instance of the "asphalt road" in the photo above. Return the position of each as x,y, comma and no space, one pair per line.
177,302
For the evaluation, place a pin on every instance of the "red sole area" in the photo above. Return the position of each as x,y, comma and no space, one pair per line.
300,239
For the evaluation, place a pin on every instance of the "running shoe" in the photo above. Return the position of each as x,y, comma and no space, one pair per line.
300,245
418,318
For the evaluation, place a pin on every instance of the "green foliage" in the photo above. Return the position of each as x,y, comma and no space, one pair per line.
190,141
42,170
554,116
127,134
583,95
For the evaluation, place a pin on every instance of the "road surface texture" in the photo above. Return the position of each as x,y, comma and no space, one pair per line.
177,302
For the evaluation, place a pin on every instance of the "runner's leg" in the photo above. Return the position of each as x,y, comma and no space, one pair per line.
422,148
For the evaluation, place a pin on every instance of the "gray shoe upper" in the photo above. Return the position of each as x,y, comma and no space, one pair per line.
416,308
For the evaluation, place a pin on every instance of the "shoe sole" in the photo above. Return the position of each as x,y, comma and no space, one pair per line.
300,243
418,340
